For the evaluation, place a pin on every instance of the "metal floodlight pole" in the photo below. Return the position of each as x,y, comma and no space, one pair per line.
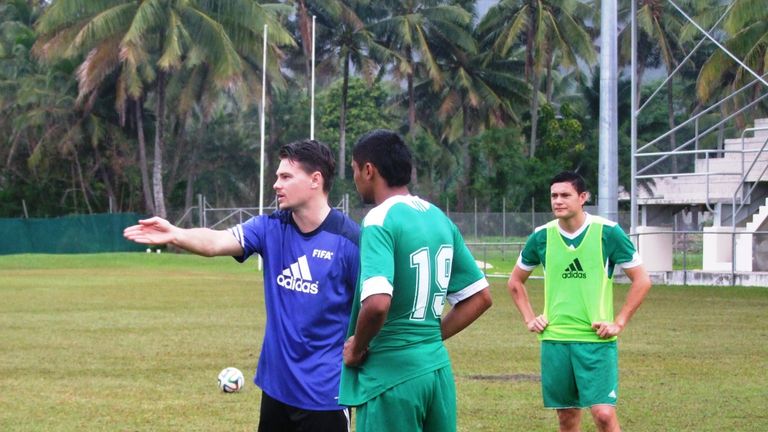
262,122
312,91
608,183
263,128
633,121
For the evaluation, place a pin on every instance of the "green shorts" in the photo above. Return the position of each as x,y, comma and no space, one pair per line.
426,403
579,375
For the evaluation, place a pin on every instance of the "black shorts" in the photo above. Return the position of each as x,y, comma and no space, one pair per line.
279,417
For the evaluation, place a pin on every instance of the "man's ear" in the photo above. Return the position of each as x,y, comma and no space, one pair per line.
368,170
317,180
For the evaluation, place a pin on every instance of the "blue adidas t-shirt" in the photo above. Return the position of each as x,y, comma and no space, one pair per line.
309,284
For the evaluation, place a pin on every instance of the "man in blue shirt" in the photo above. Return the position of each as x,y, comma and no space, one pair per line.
311,261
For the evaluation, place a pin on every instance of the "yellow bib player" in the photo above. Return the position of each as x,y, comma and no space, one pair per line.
578,329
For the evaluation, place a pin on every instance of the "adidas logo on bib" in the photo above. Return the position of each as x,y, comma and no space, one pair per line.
297,277
574,271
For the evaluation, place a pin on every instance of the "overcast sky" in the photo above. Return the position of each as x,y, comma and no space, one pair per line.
484,5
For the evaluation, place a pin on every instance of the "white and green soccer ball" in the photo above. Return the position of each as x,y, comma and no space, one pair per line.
231,380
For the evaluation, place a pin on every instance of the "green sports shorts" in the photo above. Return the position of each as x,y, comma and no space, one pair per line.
579,375
426,403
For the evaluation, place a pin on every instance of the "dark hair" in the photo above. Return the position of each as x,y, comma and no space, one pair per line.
313,156
572,177
388,153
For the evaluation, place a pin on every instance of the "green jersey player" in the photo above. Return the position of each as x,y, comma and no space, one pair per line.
412,260
577,328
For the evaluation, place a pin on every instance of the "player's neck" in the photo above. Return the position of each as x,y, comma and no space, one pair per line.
311,215
384,193
572,223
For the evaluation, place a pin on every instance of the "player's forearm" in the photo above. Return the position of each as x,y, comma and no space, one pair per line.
465,313
368,326
206,242
517,290
641,285
373,315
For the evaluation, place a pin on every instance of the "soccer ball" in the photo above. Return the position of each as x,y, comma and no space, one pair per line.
231,380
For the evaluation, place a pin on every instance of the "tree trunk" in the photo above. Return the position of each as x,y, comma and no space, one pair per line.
534,114
192,165
104,176
145,185
532,74
12,150
305,30
83,185
412,113
343,120
180,149
157,167
411,95
550,84
466,160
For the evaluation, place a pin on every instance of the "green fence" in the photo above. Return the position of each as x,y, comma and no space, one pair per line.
70,234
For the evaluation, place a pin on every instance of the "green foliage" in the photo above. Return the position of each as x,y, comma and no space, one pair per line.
498,162
291,114
366,110
73,71
501,169
562,135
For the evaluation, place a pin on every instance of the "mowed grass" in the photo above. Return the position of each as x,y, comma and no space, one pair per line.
133,342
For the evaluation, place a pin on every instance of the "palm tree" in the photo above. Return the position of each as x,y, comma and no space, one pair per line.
146,43
660,27
746,28
411,30
352,44
479,92
38,121
547,27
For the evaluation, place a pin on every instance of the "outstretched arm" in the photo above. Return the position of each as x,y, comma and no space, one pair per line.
201,241
641,284
516,287
465,313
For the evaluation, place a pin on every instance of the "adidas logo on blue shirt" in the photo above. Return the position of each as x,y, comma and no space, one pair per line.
297,277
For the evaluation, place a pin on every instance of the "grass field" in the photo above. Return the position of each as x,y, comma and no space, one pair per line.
133,342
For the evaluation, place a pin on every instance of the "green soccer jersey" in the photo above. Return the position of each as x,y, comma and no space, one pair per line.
617,248
409,249
578,275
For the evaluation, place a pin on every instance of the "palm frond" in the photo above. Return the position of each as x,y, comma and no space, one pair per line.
172,50
105,24
101,61
743,13
712,74
214,41
63,14
149,15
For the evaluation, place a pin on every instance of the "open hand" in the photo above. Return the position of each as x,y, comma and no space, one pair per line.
153,231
